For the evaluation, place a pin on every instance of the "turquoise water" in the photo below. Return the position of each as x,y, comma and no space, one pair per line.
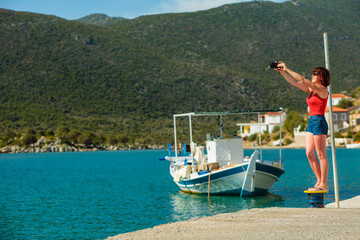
93,195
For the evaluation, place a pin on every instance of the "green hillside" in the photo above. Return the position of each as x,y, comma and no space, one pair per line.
99,19
131,76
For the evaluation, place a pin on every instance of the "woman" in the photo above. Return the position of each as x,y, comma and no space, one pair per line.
317,126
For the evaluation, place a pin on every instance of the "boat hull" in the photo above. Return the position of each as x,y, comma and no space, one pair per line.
353,145
229,181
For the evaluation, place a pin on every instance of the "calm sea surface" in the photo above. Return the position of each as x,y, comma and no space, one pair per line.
93,195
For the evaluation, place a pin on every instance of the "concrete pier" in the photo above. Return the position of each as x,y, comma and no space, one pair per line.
264,223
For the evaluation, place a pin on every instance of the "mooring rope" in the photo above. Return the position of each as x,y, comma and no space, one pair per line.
209,185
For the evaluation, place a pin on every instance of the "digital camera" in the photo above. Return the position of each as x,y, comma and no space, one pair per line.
274,64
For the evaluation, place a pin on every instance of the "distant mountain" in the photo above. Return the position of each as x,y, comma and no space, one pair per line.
131,76
100,20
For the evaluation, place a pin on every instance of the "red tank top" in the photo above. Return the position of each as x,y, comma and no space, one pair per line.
316,104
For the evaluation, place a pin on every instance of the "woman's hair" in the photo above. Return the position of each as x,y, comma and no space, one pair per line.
324,74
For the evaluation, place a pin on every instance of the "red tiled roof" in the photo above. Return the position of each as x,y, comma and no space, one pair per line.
339,95
336,109
272,113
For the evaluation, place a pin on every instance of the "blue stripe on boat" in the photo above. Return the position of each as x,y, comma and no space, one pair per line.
269,169
231,171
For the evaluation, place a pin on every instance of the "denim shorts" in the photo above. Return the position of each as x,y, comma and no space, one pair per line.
317,125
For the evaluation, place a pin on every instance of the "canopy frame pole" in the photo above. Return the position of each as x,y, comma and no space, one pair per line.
175,138
191,138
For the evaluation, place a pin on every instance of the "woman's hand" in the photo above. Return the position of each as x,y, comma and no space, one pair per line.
281,67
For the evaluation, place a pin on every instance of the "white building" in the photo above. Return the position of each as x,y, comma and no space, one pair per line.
336,98
267,123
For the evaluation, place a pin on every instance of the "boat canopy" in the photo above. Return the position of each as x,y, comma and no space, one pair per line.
228,112
239,112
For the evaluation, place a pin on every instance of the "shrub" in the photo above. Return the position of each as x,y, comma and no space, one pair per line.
30,131
357,136
49,133
28,139
287,141
8,137
265,138
113,140
123,139
338,135
252,137
72,136
349,134
61,132
86,139
276,129
277,136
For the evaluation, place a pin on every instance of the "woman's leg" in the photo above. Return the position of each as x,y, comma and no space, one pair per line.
320,146
310,153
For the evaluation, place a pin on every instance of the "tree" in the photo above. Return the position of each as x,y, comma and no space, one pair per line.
355,93
293,120
345,103
357,137
62,131
123,139
8,136
29,139
113,140
30,131
73,135
338,135
87,139
349,134
49,133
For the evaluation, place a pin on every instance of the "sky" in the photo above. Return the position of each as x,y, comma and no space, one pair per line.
74,9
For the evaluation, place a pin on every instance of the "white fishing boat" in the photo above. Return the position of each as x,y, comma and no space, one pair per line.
353,145
223,169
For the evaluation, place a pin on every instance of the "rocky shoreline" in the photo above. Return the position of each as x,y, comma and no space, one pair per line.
55,145
44,145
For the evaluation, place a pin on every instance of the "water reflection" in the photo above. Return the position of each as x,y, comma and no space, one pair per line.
186,206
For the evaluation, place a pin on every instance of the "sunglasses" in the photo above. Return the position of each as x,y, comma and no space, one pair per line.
315,73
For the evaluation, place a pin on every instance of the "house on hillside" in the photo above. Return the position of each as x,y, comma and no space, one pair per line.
336,98
341,118
355,117
267,123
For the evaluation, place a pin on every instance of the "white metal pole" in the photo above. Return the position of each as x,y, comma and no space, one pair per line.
327,63
259,125
175,140
280,140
